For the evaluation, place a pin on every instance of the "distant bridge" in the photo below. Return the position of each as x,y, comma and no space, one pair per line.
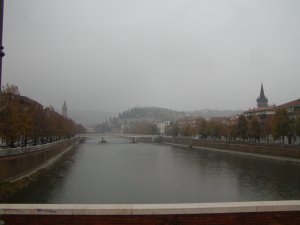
113,135
132,137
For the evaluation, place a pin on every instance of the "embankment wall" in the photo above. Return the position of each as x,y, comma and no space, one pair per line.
14,164
287,152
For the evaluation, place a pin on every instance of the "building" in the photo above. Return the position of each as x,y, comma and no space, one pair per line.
264,114
262,110
161,126
64,110
189,125
262,101
233,120
220,119
292,108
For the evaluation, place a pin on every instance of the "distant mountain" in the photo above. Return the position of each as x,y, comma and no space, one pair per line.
208,113
151,114
89,117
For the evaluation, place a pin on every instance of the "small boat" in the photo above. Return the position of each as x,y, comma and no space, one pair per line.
103,140
133,141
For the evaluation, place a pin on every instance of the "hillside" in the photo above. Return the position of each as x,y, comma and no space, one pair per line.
151,114
208,113
144,113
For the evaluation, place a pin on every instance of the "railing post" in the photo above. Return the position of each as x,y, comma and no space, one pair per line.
1,35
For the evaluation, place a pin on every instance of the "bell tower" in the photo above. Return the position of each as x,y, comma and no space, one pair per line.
262,101
65,110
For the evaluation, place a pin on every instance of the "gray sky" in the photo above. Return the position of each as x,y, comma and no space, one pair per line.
180,54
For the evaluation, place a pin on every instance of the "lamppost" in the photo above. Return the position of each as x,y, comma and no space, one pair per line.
1,35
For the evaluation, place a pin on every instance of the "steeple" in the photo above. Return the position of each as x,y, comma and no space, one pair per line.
262,101
64,110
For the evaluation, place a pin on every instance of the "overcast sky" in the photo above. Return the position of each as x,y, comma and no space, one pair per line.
180,54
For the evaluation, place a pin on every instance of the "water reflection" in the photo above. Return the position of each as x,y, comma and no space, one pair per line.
121,172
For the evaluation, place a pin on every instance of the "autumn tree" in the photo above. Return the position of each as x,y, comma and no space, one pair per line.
232,131
297,126
266,126
203,128
22,118
281,124
10,114
242,127
9,90
172,130
141,127
187,130
214,129
39,124
25,124
254,128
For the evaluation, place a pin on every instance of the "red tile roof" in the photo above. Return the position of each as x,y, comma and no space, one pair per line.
292,103
261,109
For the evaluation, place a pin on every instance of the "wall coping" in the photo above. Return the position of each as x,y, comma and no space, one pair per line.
149,209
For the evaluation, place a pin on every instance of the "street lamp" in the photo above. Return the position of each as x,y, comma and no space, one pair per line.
1,35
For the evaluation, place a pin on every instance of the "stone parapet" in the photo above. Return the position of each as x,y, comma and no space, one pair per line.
270,212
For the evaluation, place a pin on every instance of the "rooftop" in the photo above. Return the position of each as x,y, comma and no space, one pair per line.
292,103
262,109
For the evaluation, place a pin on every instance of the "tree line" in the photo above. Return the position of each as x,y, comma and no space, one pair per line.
140,127
156,113
244,128
23,121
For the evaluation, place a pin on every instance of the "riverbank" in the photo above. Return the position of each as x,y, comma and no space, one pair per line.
17,170
275,152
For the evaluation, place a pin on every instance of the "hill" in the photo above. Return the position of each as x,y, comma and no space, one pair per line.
151,114
208,113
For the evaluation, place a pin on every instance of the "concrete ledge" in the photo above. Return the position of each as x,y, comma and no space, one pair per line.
149,209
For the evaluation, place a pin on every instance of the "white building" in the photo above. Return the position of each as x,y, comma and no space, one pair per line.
161,127
64,110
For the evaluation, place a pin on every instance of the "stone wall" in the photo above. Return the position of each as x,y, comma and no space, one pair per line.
156,139
260,149
19,164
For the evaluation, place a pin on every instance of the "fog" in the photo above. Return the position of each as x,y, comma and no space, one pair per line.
111,55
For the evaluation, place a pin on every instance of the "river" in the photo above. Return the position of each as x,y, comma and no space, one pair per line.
122,172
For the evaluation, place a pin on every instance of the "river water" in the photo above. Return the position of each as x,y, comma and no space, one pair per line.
122,172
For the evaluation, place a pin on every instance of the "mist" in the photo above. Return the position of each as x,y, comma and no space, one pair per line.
110,55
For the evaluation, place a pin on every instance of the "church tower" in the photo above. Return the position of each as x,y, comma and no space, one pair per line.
262,101
64,110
